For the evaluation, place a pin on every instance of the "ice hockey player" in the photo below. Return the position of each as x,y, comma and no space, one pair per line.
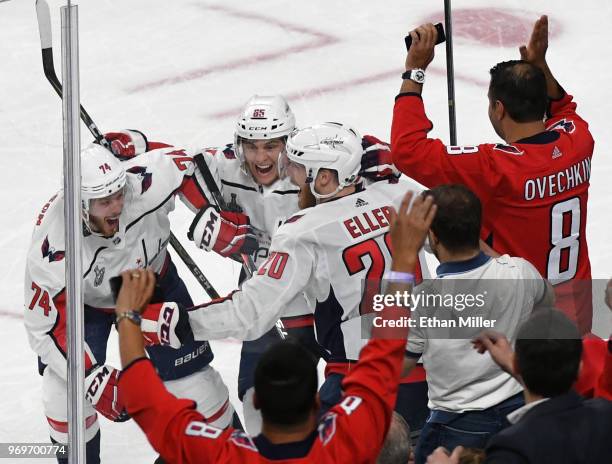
125,208
285,383
326,251
246,173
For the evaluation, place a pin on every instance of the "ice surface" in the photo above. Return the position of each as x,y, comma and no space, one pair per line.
180,70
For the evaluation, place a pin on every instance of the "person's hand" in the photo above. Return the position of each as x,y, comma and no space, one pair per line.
608,298
166,324
422,49
376,161
102,391
442,456
127,143
408,230
498,347
535,51
136,290
224,232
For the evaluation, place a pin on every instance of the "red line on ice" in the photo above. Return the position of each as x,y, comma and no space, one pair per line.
320,40
343,86
10,314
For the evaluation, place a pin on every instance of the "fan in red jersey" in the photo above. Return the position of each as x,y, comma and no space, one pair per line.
534,186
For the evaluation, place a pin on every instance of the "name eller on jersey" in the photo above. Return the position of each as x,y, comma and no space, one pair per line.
368,221
559,182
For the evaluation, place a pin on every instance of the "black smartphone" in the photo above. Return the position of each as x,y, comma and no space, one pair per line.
441,36
115,285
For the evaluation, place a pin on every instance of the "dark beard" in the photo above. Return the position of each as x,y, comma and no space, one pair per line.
305,198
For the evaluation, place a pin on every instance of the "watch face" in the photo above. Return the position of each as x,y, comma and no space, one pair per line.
419,76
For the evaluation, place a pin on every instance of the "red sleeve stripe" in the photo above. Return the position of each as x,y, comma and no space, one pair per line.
219,413
62,427
294,322
156,145
58,332
192,192
212,302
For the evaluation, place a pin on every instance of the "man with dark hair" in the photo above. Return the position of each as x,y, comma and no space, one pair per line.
285,381
457,223
556,424
469,396
534,185
521,88
286,386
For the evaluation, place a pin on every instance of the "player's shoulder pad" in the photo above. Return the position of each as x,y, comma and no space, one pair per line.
155,175
46,256
223,159
226,151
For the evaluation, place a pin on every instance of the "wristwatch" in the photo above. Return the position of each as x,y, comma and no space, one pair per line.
416,75
131,315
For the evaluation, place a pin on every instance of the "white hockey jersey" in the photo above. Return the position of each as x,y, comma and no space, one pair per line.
153,180
326,252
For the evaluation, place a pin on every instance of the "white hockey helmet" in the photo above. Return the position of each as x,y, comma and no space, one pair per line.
101,176
329,145
263,118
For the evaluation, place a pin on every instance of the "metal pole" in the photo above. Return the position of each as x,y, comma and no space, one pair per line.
73,234
450,72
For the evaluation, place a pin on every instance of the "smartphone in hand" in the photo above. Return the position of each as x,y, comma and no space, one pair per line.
441,36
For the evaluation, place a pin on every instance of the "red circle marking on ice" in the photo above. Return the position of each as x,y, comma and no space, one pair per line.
493,26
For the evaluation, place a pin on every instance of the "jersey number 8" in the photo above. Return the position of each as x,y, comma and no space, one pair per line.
563,256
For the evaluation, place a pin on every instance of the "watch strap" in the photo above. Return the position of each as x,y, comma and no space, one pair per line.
131,315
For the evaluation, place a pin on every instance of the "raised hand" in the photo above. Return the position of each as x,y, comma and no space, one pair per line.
535,51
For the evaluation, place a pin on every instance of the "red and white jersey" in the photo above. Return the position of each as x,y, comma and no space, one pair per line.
352,431
153,180
326,252
534,192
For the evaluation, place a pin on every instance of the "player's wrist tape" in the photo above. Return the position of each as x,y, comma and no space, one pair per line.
396,276
131,315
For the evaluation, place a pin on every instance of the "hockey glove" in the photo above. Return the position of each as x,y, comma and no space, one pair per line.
101,389
127,143
166,324
221,231
376,161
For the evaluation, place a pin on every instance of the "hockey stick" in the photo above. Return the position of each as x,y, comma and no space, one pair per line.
450,72
44,27
247,261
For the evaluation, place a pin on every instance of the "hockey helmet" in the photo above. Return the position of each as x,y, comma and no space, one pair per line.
102,175
329,145
263,118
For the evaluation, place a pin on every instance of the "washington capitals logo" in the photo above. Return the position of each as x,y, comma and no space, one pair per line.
327,427
509,149
146,178
228,151
49,251
564,125
242,439
334,142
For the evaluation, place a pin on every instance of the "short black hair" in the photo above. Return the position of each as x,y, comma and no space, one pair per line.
457,221
548,351
521,87
286,383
